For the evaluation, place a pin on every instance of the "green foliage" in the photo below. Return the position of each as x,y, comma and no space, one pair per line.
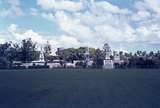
71,54
4,48
28,51
98,58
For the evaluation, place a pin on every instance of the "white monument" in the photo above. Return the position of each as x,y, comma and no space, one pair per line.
107,63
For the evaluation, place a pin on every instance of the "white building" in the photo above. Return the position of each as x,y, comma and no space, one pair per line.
70,65
55,64
27,65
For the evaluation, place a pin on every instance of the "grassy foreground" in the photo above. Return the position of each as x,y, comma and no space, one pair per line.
79,88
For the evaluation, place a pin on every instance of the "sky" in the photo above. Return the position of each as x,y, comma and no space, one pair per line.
127,25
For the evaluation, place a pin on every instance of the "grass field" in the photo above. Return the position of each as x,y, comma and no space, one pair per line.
79,88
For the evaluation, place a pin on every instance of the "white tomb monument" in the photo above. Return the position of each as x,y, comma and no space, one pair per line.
107,63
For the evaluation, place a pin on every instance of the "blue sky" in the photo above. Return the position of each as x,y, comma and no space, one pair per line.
127,25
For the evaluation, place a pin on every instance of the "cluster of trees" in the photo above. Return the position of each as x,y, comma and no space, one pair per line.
144,60
27,51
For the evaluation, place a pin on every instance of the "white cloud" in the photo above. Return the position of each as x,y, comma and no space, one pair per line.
141,15
141,5
48,16
108,7
73,26
115,34
11,12
60,5
12,28
13,2
101,22
154,5
68,41
148,13
13,8
149,5
18,34
1,40
149,33
33,11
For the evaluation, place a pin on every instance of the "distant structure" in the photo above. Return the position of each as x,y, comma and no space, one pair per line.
116,57
117,60
41,61
89,61
59,51
41,56
107,62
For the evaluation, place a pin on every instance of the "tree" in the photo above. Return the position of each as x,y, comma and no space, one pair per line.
144,53
98,59
151,54
6,54
139,53
11,55
28,51
3,48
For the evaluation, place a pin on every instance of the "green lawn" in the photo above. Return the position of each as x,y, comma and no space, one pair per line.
79,88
